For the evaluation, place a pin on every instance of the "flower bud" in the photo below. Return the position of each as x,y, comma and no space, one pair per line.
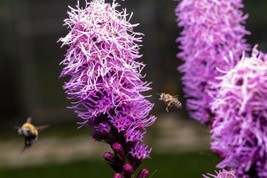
143,173
118,149
109,157
128,169
118,175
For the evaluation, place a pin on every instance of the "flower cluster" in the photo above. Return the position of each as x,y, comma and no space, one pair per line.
105,82
239,131
210,30
221,174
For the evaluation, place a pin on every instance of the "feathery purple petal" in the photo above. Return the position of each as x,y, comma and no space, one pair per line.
239,131
221,174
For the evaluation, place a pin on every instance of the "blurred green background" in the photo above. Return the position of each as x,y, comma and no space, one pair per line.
30,86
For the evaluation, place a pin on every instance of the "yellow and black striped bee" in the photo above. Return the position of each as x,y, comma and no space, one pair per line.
30,132
170,100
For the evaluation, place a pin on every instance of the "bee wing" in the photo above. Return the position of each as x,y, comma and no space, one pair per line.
42,127
29,120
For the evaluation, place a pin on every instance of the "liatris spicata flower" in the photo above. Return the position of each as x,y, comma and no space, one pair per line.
211,29
105,82
239,131
221,174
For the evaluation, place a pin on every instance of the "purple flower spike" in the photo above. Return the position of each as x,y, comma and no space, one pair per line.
211,28
221,174
105,82
239,131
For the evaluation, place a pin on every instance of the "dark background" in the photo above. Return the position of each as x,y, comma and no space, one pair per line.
30,54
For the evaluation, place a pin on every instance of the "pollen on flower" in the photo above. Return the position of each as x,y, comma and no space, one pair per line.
210,30
239,129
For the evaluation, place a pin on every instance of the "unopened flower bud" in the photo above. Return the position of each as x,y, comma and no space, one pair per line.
128,169
109,157
118,175
143,173
118,149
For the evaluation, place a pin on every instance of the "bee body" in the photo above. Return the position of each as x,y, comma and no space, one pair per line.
29,132
28,129
170,100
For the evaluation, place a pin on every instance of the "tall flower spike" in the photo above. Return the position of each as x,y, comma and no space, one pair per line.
105,82
211,29
239,131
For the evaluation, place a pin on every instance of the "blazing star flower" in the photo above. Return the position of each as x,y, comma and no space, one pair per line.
239,131
105,81
211,29
221,174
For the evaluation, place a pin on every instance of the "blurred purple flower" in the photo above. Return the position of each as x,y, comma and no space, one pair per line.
221,174
239,131
211,28
105,81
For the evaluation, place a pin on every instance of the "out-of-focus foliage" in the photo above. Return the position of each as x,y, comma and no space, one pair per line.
163,165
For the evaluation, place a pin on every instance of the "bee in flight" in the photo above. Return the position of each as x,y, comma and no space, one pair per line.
29,132
170,100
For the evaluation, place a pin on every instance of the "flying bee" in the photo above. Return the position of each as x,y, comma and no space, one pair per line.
29,132
170,100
